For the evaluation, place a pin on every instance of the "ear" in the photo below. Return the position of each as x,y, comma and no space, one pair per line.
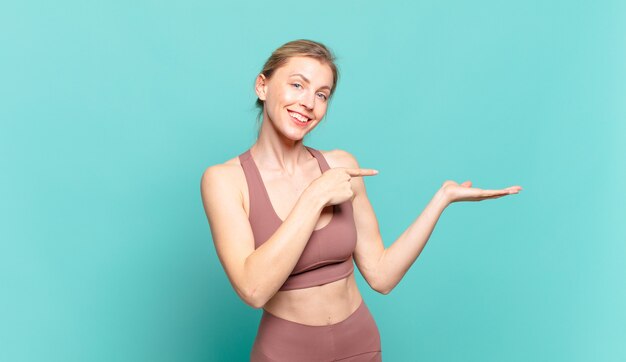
260,87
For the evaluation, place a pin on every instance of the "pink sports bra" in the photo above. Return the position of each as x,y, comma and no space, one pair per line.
327,256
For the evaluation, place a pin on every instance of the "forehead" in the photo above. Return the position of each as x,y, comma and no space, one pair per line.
316,72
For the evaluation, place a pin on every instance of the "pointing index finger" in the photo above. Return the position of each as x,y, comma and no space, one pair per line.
361,171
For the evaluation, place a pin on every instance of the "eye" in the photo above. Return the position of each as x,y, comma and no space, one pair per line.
296,85
322,96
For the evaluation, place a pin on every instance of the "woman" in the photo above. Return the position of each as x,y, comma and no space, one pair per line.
288,221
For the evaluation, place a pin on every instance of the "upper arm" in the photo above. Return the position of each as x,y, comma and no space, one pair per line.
369,246
230,227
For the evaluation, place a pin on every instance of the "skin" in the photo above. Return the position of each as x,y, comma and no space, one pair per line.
303,197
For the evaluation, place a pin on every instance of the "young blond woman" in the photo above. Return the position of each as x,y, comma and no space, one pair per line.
288,221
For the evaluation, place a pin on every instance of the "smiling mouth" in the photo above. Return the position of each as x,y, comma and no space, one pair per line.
300,118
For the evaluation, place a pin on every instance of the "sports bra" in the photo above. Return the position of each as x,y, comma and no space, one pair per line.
327,256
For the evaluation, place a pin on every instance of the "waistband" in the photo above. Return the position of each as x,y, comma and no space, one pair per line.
361,311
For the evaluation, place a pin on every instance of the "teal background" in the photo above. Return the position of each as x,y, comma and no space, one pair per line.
111,111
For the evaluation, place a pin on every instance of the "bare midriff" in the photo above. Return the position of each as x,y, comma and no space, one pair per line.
317,306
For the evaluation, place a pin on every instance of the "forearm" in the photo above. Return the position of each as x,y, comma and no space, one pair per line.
398,258
269,266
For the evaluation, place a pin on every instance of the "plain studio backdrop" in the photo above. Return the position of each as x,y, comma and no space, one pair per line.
110,112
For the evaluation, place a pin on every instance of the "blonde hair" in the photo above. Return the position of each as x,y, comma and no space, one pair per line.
298,48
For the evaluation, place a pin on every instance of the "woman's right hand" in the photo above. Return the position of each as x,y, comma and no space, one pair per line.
334,185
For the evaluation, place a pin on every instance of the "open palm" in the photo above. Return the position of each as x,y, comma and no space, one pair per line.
465,192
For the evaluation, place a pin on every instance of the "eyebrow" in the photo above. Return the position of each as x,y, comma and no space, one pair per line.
307,80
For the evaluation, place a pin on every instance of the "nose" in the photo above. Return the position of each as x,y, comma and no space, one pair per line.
308,101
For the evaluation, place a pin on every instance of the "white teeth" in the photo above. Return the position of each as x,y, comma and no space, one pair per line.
299,117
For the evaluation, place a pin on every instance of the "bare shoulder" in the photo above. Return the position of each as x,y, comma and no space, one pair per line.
228,174
227,169
340,158
343,158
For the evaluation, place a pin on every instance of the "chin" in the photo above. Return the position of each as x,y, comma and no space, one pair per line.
296,137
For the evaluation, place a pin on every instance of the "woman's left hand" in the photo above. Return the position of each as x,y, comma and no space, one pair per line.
454,192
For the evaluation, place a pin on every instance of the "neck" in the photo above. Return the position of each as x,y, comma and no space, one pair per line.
275,151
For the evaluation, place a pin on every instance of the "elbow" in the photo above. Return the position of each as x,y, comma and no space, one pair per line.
254,300
382,288
256,303
384,291
383,285
250,298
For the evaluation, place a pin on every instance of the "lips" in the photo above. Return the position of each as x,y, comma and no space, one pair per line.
299,116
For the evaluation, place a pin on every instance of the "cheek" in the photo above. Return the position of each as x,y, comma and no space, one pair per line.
280,97
288,96
320,110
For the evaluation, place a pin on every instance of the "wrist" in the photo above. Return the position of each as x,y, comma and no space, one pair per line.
442,198
313,200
